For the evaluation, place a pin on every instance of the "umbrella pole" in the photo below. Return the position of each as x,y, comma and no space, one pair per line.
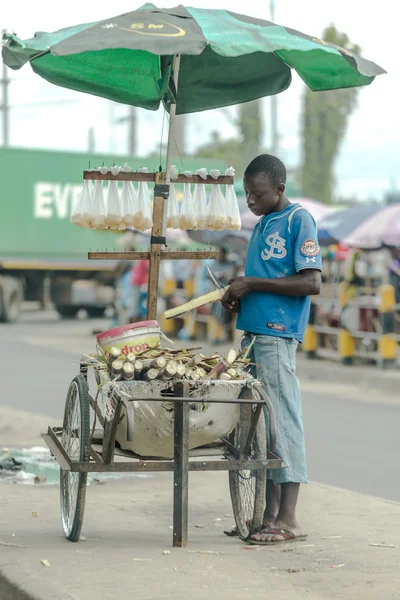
159,212
172,115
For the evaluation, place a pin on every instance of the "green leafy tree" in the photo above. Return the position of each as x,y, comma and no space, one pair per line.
240,150
325,120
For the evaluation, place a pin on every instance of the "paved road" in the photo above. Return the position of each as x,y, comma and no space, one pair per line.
352,437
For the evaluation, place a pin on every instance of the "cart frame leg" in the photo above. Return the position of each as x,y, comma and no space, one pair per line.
181,473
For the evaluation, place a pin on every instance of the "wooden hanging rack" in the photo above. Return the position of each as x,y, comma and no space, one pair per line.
157,240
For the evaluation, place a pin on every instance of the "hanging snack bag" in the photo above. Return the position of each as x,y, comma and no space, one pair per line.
99,208
188,218
82,213
232,207
217,217
143,218
129,205
173,218
113,214
200,201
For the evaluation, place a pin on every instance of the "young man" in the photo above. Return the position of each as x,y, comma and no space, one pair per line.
283,268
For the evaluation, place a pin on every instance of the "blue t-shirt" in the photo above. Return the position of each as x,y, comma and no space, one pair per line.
282,244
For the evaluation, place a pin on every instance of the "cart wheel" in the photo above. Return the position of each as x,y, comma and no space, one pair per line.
248,487
75,439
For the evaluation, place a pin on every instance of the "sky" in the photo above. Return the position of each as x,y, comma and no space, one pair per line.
47,116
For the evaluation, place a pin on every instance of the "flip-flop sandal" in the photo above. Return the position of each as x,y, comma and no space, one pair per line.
285,533
234,532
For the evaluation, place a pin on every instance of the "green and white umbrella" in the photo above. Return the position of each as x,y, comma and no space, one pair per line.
226,58
222,58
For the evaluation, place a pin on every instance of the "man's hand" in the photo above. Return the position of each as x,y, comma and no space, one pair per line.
239,287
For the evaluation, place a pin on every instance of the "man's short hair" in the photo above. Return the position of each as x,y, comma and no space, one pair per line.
268,167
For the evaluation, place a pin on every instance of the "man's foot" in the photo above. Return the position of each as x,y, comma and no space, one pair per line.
279,533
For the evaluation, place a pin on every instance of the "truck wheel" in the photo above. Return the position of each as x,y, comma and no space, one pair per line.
95,312
11,293
67,312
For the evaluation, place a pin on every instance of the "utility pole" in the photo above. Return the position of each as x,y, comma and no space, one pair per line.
5,107
91,141
131,119
274,100
180,134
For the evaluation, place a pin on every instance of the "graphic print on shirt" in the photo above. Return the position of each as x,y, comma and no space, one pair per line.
275,247
310,248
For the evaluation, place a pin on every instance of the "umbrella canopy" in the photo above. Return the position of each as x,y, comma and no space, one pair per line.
382,229
316,209
226,58
336,226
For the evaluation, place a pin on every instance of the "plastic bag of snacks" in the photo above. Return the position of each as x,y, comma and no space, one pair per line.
82,213
217,217
173,217
188,218
232,207
99,208
200,201
113,213
129,204
143,219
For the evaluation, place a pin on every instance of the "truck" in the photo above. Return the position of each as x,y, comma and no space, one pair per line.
43,256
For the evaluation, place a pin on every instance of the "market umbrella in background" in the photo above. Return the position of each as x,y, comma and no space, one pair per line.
381,229
316,209
336,226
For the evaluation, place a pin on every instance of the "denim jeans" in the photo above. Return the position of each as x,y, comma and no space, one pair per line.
275,359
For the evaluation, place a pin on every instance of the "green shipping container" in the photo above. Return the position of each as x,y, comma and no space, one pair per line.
39,189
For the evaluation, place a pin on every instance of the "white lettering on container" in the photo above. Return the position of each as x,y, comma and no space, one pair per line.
43,200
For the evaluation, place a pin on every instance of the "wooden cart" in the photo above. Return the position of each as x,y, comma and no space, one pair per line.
80,448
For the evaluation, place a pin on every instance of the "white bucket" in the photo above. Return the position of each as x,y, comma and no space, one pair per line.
135,337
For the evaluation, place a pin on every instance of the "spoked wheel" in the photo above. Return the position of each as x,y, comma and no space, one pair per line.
75,439
247,487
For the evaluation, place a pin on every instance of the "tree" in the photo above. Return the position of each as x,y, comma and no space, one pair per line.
238,151
324,123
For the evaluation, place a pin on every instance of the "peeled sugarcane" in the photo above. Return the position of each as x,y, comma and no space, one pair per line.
223,364
128,371
116,367
180,369
138,366
131,357
115,354
209,298
151,375
169,370
225,377
154,363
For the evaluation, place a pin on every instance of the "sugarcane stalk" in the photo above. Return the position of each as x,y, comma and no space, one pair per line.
231,356
131,357
169,370
180,369
151,374
138,366
225,377
116,367
209,298
154,363
128,370
219,368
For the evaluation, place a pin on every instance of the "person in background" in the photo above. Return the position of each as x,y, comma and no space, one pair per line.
283,269
139,279
394,271
123,292
224,269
